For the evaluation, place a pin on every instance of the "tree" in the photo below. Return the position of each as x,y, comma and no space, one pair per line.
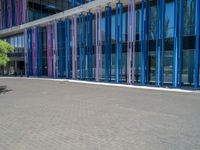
5,48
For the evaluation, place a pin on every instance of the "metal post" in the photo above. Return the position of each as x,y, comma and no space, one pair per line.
178,31
145,43
26,52
55,50
61,48
13,13
118,33
160,42
131,42
39,51
89,45
24,10
98,45
9,9
197,26
5,14
74,48
108,43
30,52
142,68
74,3
147,24
67,47
34,54
82,46
49,49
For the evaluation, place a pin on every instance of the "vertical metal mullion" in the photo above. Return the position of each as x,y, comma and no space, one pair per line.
178,44
175,52
197,26
118,33
39,51
108,43
5,14
61,49
67,48
30,56
142,68
147,23
180,36
162,40
74,48
55,50
26,52
98,45
49,49
34,50
74,3
89,45
81,45
131,42
157,44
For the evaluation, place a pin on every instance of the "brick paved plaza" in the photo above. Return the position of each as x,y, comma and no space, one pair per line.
55,115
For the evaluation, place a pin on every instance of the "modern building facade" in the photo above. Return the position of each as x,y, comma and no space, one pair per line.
129,41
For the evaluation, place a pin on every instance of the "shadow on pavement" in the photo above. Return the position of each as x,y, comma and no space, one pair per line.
3,90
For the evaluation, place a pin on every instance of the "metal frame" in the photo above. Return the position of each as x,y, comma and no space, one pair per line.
74,3
34,50
61,49
145,43
82,46
131,42
108,44
55,50
67,48
26,52
89,46
197,51
118,34
5,14
30,52
160,42
49,50
98,45
39,51
178,43
74,47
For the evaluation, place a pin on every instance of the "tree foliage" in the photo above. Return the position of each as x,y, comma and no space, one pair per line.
5,48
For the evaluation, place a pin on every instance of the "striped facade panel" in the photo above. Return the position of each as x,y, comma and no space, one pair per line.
26,52
55,50
39,51
49,50
30,52
13,12
34,47
61,49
